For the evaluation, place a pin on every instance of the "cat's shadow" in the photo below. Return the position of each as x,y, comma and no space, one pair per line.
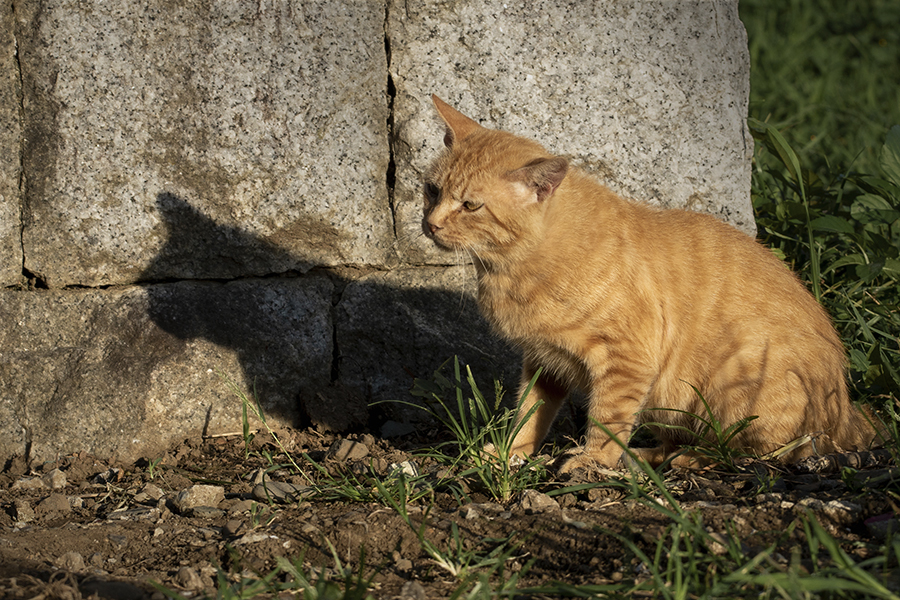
273,323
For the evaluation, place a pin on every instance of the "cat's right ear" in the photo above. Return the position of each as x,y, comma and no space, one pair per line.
541,176
458,125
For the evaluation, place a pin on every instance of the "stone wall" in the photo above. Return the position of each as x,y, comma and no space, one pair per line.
194,192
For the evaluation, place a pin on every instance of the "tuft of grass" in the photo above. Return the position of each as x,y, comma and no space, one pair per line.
475,423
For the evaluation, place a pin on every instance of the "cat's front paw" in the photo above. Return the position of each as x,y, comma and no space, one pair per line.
581,465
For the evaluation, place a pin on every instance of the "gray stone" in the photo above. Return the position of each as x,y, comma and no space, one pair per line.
10,152
345,449
23,512
281,491
54,503
533,501
194,140
394,326
650,96
55,479
132,370
199,495
189,579
71,561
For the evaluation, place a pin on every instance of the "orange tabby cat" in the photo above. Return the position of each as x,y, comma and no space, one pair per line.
634,305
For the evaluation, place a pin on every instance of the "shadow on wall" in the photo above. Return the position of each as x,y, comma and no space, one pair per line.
319,348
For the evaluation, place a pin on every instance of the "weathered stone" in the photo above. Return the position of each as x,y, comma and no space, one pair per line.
281,491
54,503
189,579
394,326
650,96
130,371
10,152
55,479
199,495
345,449
196,140
533,501
71,561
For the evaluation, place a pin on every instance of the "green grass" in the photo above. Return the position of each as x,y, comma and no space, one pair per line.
825,72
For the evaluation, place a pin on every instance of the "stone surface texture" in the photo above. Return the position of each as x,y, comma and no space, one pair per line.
651,97
203,140
10,153
193,193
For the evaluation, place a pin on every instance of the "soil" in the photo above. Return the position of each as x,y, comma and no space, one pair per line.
85,528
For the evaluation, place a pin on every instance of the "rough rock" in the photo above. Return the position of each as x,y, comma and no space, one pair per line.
199,495
194,140
133,370
10,157
398,325
201,190
649,96
533,501
344,449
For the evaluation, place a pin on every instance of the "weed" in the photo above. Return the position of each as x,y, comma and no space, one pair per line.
475,424
713,440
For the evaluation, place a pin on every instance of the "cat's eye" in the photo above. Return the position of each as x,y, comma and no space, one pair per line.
470,206
432,192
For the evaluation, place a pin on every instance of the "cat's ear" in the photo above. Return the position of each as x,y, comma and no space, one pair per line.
458,124
542,176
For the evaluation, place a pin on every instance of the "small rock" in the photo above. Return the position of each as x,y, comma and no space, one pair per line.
841,511
199,495
811,503
54,503
407,467
29,483
55,479
206,512
345,449
533,501
280,491
149,493
413,590
234,527
189,579
71,561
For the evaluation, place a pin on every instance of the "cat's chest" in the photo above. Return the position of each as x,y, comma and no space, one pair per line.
526,312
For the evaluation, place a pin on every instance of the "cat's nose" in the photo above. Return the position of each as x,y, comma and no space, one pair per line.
432,227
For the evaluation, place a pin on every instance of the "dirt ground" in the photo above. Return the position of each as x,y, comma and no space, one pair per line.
83,528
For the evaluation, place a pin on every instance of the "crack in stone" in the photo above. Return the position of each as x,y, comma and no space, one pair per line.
390,174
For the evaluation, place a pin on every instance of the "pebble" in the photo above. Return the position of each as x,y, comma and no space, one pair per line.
54,503
345,449
533,501
199,495
280,491
55,479
189,579
71,561
413,590
149,493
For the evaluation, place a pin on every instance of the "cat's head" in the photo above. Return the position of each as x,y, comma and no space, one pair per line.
489,189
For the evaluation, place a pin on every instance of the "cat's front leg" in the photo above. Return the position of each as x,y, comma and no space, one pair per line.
551,394
615,401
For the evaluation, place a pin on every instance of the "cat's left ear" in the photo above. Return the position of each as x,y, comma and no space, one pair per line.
542,175
458,124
